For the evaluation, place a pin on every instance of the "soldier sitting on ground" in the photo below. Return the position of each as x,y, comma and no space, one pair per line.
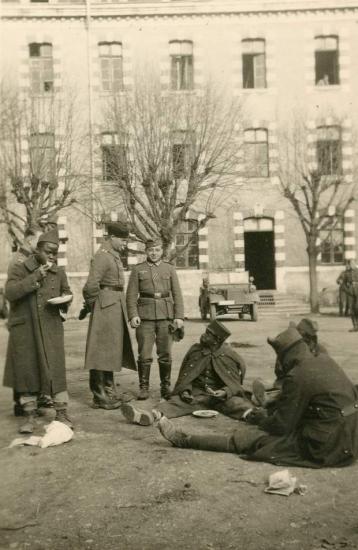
210,377
315,423
266,396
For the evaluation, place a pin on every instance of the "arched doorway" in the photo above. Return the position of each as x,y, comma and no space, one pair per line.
260,251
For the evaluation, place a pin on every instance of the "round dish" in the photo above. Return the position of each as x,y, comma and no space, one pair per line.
60,299
205,413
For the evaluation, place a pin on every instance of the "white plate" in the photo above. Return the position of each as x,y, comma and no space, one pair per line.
60,299
206,413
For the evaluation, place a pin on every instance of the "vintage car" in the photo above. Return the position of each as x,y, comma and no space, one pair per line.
228,292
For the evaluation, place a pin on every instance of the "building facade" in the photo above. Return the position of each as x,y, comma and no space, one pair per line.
279,57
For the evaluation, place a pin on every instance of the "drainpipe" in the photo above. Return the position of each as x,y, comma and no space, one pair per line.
90,120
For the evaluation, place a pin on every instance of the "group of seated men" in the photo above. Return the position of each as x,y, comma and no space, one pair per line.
308,417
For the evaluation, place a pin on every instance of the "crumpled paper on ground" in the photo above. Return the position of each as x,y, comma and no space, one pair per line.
284,483
56,434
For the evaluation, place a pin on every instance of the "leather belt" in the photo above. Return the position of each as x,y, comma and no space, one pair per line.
111,287
154,294
350,409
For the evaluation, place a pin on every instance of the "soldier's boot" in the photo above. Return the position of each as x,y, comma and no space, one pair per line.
30,419
101,398
355,324
144,375
18,408
165,370
110,387
62,415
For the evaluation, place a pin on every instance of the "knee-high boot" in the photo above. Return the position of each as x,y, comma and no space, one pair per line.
165,370
144,375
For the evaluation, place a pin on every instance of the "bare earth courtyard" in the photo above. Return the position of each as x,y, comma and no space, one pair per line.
118,486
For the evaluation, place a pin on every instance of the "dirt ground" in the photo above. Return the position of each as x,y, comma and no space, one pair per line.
116,486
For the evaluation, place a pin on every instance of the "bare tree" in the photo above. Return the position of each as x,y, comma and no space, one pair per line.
164,154
312,179
42,161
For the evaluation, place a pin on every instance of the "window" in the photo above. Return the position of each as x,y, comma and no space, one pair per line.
253,63
41,68
329,150
326,60
42,156
181,152
187,255
114,165
331,237
182,74
110,55
256,153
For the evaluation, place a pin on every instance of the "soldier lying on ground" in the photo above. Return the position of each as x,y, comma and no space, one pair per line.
315,423
210,377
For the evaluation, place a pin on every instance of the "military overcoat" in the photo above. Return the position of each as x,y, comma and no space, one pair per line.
35,360
315,423
228,365
108,346
146,280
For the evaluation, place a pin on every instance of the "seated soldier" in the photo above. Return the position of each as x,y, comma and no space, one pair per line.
210,377
315,423
308,329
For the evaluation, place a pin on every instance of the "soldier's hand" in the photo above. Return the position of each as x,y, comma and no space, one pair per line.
135,322
179,323
43,269
186,396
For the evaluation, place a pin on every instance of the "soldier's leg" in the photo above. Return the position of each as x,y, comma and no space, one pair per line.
101,399
145,335
173,408
235,407
28,402
60,403
164,345
218,443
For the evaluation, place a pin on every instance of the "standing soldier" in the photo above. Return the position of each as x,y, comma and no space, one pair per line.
343,300
350,283
35,361
108,345
154,299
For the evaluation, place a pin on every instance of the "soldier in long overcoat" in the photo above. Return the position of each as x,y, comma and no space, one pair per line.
35,361
109,346
315,423
210,377
350,284
154,303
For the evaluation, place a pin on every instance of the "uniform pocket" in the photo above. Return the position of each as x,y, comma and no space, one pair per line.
108,298
17,321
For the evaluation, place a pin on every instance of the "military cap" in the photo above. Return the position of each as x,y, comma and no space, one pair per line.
157,241
49,237
117,229
219,330
285,340
307,326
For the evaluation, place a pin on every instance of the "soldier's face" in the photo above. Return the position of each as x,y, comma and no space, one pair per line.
154,253
48,252
209,339
118,243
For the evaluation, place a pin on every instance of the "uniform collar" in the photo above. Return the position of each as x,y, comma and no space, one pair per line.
109,248
154,263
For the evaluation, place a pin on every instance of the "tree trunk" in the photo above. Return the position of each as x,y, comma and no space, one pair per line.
312,266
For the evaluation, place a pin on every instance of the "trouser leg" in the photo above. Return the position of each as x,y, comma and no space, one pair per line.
145,334
216,443
234,407
164,345
28,402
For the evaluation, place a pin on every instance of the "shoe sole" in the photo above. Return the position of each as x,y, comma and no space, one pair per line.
134,416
